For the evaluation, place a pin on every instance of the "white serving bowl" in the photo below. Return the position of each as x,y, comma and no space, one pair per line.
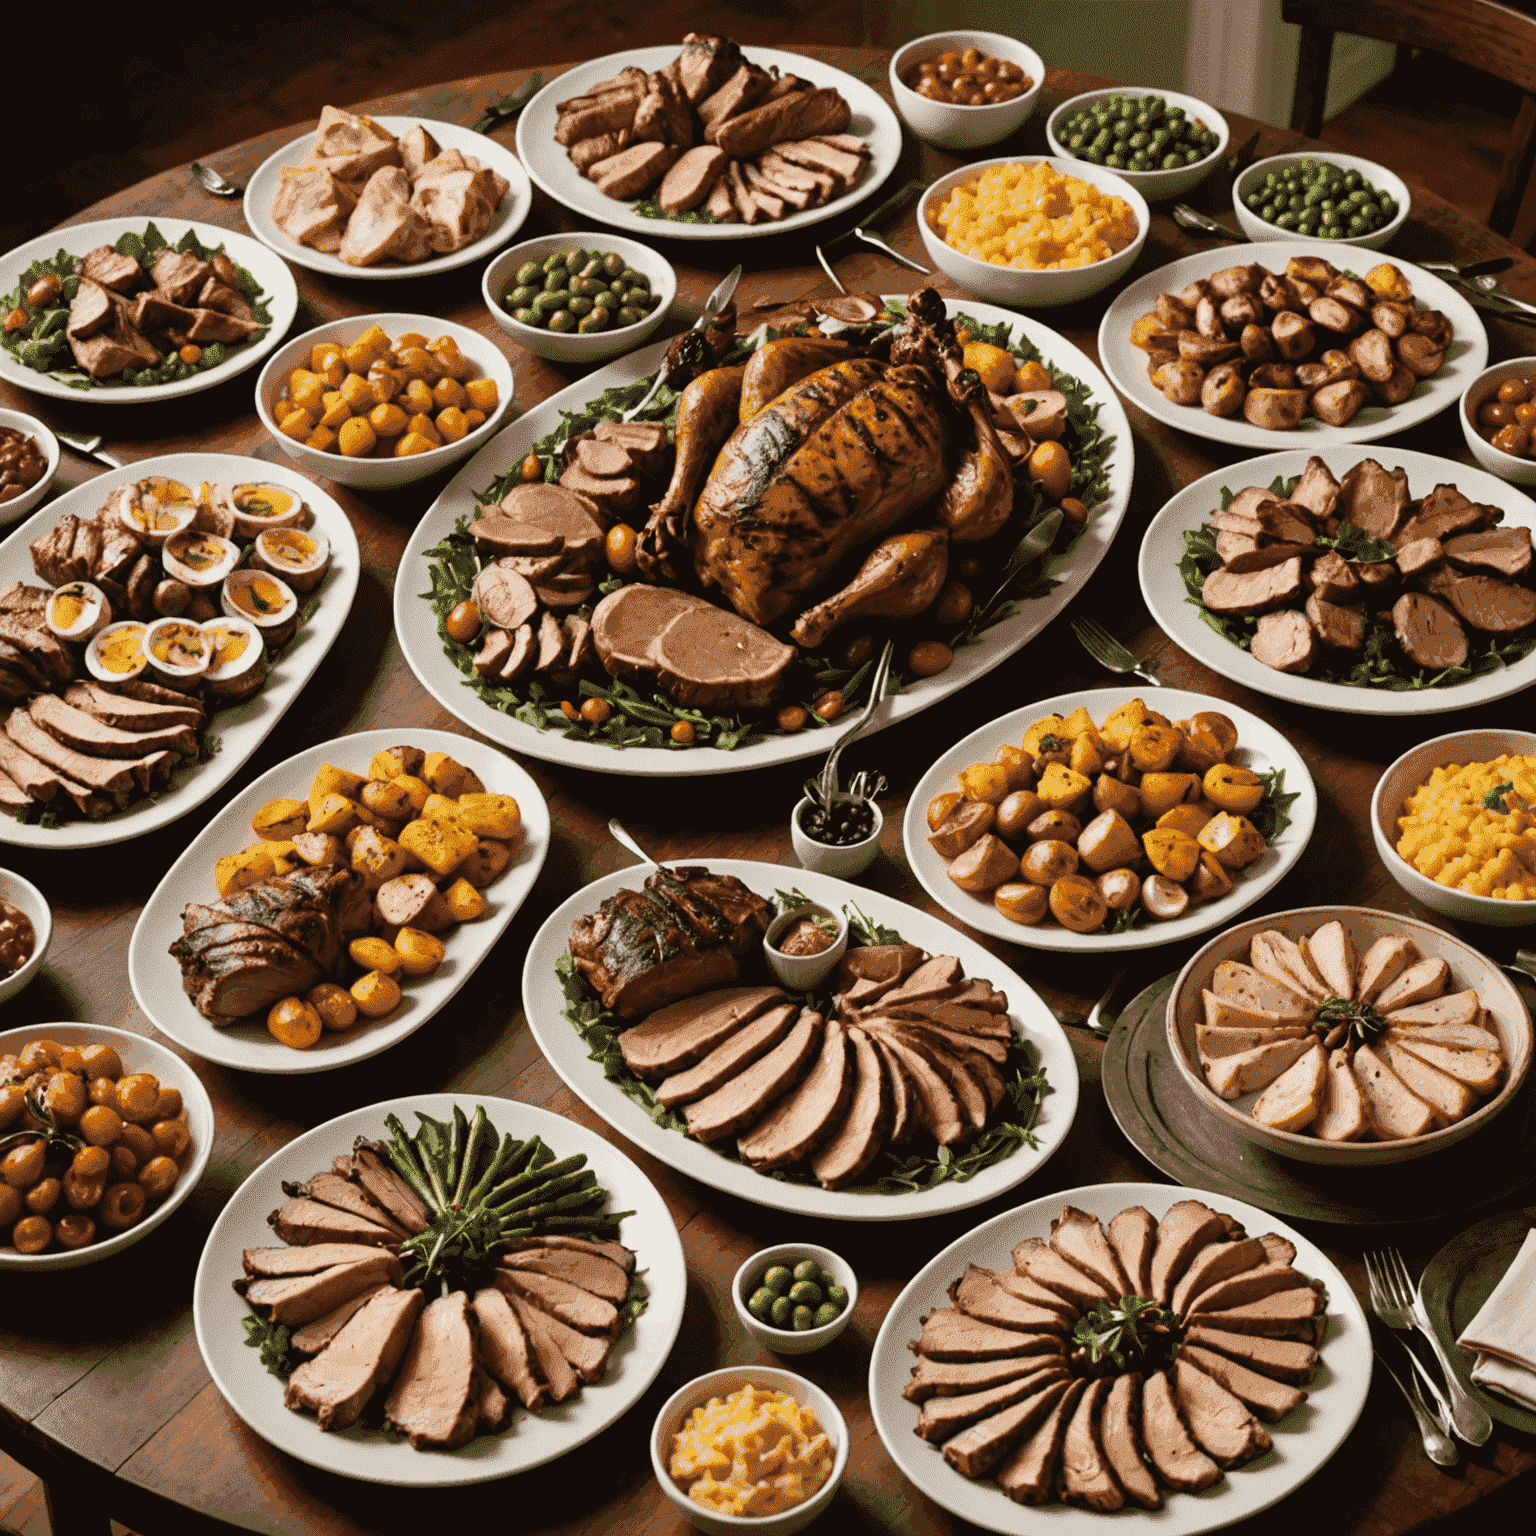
138,1055
19,421
1505,465
1155,186
1378,175
571,346
959,127
1507,1017
384,474
784,1341
718,1384
1399,782
801,973
26,897
1016,286
843,863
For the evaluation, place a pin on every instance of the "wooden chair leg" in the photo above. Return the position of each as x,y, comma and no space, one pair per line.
74,1512
1516,172
1312,80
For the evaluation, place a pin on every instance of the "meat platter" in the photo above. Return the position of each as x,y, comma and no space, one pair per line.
1303,1441
1164,588
370,1454
240,728
262,189
417,627
1263,750
281,294
545,1001
156,976
1126,363
553,171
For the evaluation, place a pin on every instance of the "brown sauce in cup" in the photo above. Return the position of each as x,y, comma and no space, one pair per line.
17,940
969,79
21,463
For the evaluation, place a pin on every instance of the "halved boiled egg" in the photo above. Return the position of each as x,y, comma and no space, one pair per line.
146,516
199,559
78,610
268,602
300,556
178,651
258,506
238,666
116,653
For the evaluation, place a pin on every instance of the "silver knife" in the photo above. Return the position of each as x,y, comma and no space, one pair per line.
89,447
712,307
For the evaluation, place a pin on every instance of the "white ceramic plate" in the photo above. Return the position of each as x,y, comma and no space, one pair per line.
156,976
370,1454
139,1055
1303,1441
544,1003
261,192
281,294
551,167
1162,548
241,728
416,625
1259,747
1126,364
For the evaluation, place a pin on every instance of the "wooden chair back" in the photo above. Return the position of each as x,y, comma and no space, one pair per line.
1483,34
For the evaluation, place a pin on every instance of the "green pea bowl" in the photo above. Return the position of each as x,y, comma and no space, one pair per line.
1154,140
761,1272
1371,230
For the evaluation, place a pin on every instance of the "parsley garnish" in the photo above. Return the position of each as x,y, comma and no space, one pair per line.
274,1341
1356,544
1494,799
1135,1333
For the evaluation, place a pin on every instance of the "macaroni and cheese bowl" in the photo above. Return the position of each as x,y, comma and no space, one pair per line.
1458,851
1033,231
674,1419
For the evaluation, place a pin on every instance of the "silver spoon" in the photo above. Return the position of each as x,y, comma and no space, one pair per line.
1192,219
1438,1446
1095,1020
211,181
825,788
90,447
619,835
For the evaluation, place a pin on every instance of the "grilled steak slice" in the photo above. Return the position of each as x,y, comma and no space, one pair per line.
701,1026
590,1271
1080,1240
1214,1263
331,1189
945,1416
1178,1461
313,1337
276,1262
1280,1359
940,1378
433,1399
295,1299
1224,1429
1133,1235
1120,1435
736,1052
616,1252
806,1117
571,1304
1181,1234
338,1383
302,1222
857,1141
747,1097
505,1349
562,1352
948,1334
1269,1400
385,1186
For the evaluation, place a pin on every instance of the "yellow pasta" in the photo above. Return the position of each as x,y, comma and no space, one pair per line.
754,1452
1449,835
1034,218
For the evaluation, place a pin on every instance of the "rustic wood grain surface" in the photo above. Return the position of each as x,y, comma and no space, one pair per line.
102,1388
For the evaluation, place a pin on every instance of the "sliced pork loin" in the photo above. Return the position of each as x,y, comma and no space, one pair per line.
1086,1475
693,1029
1177,1460
340,1381
1080,1240
949,1335
1120,1433
276,1262
296,1299
384,1186
505,1350
748,1096
1187,1228
302,1222
313,1337
616,1253
593,1272
1280,1359
857,1142
1133,1235
738,1050
1222,1426
583,1353
806,1117
1253,592
433,1400
571,1304
945,1416
334,1190
939,1378
1029,1475
1269,1400
975,1451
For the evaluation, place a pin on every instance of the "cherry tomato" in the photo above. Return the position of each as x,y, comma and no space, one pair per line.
463,624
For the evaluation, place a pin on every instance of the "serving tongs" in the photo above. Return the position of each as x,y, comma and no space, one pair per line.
693,351
865,785
510,104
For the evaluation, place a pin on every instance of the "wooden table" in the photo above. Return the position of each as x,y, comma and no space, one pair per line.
102,1389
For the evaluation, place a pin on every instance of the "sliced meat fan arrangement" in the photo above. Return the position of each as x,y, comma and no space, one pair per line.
1347,1046
1108,1366
713,132
447,1276
911,1046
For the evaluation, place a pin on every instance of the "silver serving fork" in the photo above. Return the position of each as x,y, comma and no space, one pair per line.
1109,653
211,181
1438,1445
1396,1302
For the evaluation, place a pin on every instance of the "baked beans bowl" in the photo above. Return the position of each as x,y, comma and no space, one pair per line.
1394,787
1156,186
951,125
138,1055
26,898
1507,1017
1030,287
1515,468
48,445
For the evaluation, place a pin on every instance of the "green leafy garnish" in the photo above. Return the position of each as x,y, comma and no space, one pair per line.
1272,815
274,1341
866,930
650,208
1356,544
1135,1333
1494,799
794,900
1364,1023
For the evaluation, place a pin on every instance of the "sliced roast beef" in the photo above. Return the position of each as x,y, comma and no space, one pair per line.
1496,551
1030,1290
749,1096
1178,1461
209,325
1285,641
1086,1475
333,1190
687,184
1251,1284
1269,1400
1120,1435
1444,512
1287,1314
152,311
580,1353
302,1222
1218,1422
505,1350
433,1399
941,1378
571,1304
1280,1359
339,1382
385,1186
1422,555
1187,1228
179,275
296,1299
615,495
978,1294
493,1408
817,155
1429,631
807,1116
1317,490
795,116
1215,1262
593,1272
313,1337
1489,604
743,89
975,1451
274,1263
606,113
1040,1262
1030,1472
903,1095
945,1416
933,1104
663,114
949,1334
858,1140
1252,592
617,1253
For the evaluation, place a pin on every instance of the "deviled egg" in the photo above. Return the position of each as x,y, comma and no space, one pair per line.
300,556
238,665
77,611
178,651
257,506
201,560
266,600
116,653
147,516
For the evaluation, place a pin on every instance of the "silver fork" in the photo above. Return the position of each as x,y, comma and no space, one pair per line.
211,181
1396,1302
1109,653
1438,1445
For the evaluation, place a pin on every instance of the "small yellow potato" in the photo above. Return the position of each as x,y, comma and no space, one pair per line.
1234,840
441,845
376,994
331,780
952,837
1210,880
1153,748
1186,818
1109,794
1062,788
1108,841
1017,764
386,798
1238,790
1120,724
1165,899
985,865
1047,725
278,820
378,858
489,858
236,871
1016,813
464,901
1076,903
374,955
984,781
412,901
1055,826
335,815
1387,282
395,763
1021,903
293,1023
1087,756
450,778
419,953
320,848
1171,853
1162,791
1209,738
334,1005
417,789
1120,888
942,807
490,815
1044,863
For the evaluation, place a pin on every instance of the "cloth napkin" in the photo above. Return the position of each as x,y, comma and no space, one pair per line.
1503,1334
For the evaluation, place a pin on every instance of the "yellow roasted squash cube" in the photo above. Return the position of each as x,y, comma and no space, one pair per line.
440,807
378,858
280,819
395,762
450,777
1061,787
334,781
1121,724
332,814
1187,818
441,845
1048,725
464,901
235,871
385,797
1080,723
490,815
1160,792
1088,755
416,789
1172,853
985,781
1234,840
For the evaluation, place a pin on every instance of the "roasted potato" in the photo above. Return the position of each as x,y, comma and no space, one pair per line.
1273,376
450,777
1388,282
1258,343
1171,853
1112,794
1372,355
1054,826
411,901
1163,898
1021,903
1107,841
971,821
1231,281
1162,791
1234,840
331,780
486,862
440,843
1277,410
1172,312
1063,788
1187,818
378,858
1422,356
1223,391
1209,738
1210,879
1154,747
942,807
1016,813
984,781
1399,387
1294,339
1047,861
1180,380
985,865
464,902
1077,903
280,820
1120,888
1017,764
395,762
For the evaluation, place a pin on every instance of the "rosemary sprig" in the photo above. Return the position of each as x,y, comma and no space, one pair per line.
1132,1333
1364,1023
